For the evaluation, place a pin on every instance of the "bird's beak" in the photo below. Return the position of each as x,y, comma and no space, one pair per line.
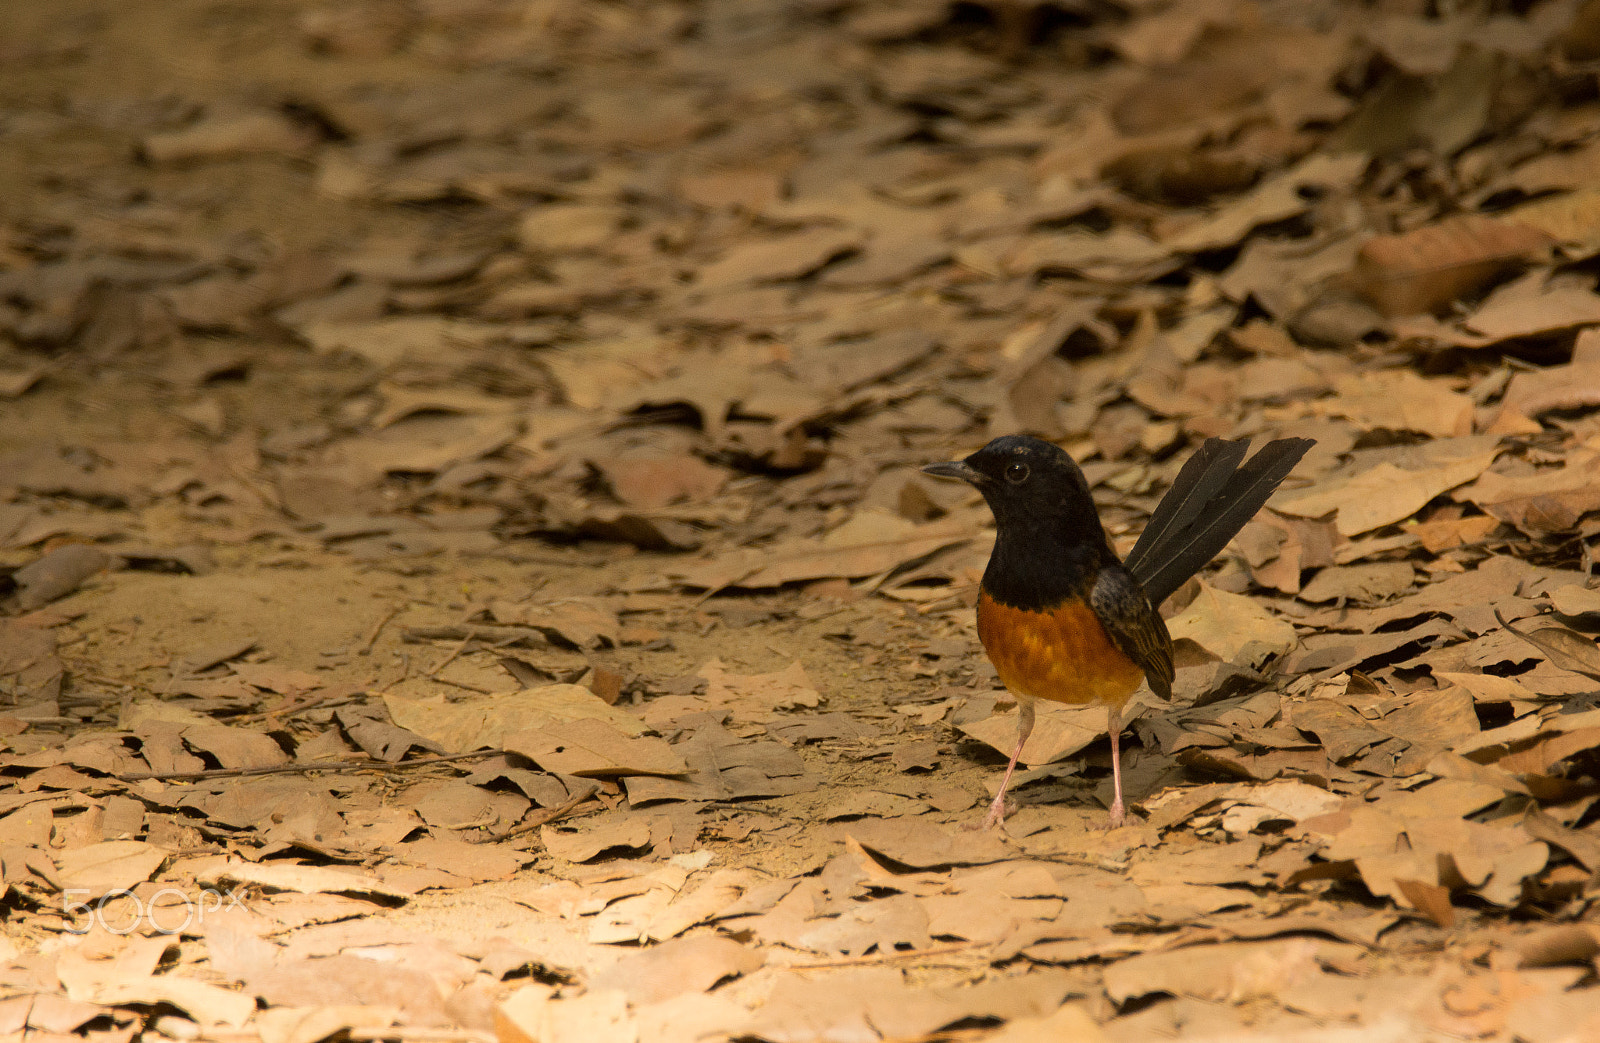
955,469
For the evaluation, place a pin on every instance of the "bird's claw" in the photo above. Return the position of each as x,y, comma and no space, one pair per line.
996,815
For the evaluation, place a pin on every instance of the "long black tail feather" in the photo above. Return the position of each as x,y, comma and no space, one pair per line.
1209,502
1203,475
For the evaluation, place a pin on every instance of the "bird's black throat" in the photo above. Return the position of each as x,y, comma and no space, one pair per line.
1039,562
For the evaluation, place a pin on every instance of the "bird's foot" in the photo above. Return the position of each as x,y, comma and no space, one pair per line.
996,815
1118,816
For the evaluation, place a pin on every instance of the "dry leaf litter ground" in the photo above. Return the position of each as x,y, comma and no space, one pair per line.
464,573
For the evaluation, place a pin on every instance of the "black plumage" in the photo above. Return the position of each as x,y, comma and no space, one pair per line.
1211,500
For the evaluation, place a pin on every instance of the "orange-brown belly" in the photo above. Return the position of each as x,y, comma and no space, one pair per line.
1062,654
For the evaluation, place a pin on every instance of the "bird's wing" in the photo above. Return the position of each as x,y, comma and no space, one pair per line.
1134,626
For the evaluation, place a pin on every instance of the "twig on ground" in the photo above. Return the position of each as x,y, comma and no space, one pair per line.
365,647
570,807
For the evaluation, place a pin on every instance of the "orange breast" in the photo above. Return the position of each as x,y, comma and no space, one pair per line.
1062,654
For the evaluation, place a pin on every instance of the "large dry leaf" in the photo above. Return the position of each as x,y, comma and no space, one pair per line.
311,1024
1235,972
1231,627
400,402
1423,836
786,258
301,879
629,831
1379,581
1386,494
590,747
1547,500
580,622
389,342
422,444
1525,309
1058,732
652,482
1068,1022
872,543
692,964
533,1015
757,696
1571,386
235,747
111,865
1423,270
481,722
1400,400
1281,196
285,978
206,1003
575,226
1572,217
921,844
859,1004
23,647
230,136
1563,646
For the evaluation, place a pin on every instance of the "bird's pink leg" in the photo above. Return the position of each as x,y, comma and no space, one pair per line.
1114,729
997,810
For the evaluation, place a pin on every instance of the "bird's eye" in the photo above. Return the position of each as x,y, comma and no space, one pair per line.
1016,472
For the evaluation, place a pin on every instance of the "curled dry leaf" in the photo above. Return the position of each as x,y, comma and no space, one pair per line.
1549,500
1564,647
1424,270
57,574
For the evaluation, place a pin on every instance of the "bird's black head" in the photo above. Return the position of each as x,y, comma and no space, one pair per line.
1025,480
1041,504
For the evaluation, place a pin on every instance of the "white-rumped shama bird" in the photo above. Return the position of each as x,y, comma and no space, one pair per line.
1059,616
